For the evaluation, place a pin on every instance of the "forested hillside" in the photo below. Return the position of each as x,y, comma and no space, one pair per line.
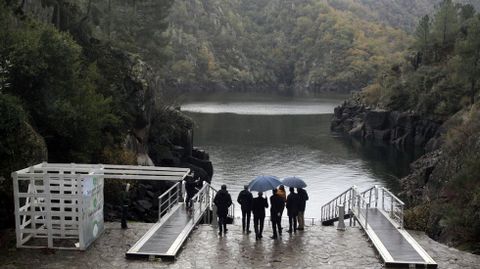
441,73
431,99
74,87
402,14
299,46
285,46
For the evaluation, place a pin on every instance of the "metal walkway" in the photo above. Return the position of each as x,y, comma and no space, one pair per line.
175,224
380,214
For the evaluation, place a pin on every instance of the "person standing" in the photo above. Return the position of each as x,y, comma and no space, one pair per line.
245,199
190,188
282,193
222,201
276,209
258,207
302,200
292,210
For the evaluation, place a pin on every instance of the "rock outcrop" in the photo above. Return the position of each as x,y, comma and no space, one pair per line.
402,129
442,190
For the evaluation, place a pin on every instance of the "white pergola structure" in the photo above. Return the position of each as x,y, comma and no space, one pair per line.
61,205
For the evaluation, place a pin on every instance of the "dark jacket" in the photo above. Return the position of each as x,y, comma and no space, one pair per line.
245,199
258,207
190,185
292,204
303,198
222,200
277,205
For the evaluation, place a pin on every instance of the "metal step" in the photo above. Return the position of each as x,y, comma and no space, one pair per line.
165,239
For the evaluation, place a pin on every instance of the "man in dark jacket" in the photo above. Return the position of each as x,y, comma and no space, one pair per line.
258,207
292,210
245,199
276,209
302,198
222,200
190,188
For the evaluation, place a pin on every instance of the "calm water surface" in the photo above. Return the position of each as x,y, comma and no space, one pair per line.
249,135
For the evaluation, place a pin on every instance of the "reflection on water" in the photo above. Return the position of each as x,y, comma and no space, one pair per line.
250,143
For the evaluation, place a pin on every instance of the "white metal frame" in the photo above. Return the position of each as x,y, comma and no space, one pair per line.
60,205
391,207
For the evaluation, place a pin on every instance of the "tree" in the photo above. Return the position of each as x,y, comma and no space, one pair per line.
422,34
468,51
57,87
445,24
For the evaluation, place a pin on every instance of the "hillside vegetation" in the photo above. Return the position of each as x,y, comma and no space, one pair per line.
74,90
284,46
295,47
439,80
441,73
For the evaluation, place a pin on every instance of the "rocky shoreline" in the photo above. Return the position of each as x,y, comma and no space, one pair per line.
402,129
436,193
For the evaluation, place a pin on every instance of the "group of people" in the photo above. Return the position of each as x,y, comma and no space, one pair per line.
294,202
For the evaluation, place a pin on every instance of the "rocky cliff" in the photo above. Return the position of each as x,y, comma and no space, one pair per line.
443,189
402,129
442,192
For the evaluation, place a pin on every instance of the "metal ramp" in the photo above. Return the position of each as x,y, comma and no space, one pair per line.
380,214
175,224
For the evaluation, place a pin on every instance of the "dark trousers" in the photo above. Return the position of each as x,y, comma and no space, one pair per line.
189,199
246,214
292,220
258,224
222,223
277,225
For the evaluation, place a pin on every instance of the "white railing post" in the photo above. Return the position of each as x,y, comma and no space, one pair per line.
341,214
159,208
179,193
366,216
401,217
392,214
383,199
169,197
376,196
358,204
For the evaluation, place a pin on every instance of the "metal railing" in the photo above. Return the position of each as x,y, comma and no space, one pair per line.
330,210
200,201
169,199
285,220
360,208
359,204
382,199
203,200
393,206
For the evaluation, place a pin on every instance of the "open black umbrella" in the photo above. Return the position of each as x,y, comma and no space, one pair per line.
264,183
294,182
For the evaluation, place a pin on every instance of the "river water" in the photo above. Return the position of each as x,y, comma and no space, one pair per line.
249,135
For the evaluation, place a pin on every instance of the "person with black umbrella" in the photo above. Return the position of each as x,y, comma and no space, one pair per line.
276,209
292,210
303,198
258,206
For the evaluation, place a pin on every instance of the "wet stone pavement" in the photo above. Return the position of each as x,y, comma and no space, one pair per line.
316,247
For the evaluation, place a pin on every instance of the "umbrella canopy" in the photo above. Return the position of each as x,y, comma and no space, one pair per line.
294,182
264,183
